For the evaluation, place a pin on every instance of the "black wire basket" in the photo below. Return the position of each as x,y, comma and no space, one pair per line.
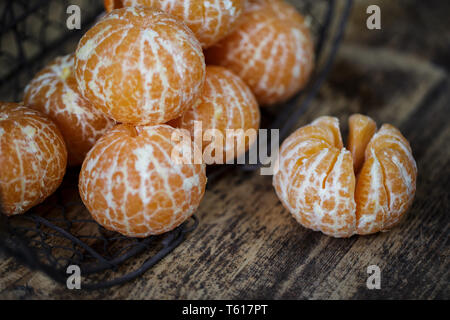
60,232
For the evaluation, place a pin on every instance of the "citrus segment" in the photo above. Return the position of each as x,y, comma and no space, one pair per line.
112,4
396,172
361,130
140,66
371,197
330,124
315,178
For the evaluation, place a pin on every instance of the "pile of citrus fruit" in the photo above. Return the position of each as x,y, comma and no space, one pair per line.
151,67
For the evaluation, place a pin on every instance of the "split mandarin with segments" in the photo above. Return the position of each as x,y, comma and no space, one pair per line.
226,103
209,20
140,66
54,92
130,183
33,158
318,184
271,50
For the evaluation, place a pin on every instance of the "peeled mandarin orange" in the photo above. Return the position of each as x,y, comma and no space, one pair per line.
131,185
33,158
319,184
361,130
226,104
386,183
54,92
209,20
140,66
271,50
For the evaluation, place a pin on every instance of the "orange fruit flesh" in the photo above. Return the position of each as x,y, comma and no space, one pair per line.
53,91
361,130
112,4
130,184
226,103
153,58
318,183
33,158
392,172
271,50
210,21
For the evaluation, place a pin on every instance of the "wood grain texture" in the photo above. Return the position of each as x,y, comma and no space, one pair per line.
248,246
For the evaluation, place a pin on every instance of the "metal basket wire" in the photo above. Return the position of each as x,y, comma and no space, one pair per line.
60,232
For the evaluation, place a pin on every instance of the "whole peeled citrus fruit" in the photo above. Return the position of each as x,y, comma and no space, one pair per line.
209,20
54,92
33,158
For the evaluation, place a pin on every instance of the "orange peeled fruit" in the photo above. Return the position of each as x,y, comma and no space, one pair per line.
131,185
112,4
54,92
271,50
320,183
362,129
226,103
140,66
33,158
209,20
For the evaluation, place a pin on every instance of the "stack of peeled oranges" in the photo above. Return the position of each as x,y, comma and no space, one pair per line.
151,67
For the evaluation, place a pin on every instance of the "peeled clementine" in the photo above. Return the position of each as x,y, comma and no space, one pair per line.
140,66
33,158
54,92
271,50
362,129
319,183
209,20
130,183
228,106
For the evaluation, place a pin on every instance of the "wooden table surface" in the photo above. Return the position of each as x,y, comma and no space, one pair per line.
248,246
